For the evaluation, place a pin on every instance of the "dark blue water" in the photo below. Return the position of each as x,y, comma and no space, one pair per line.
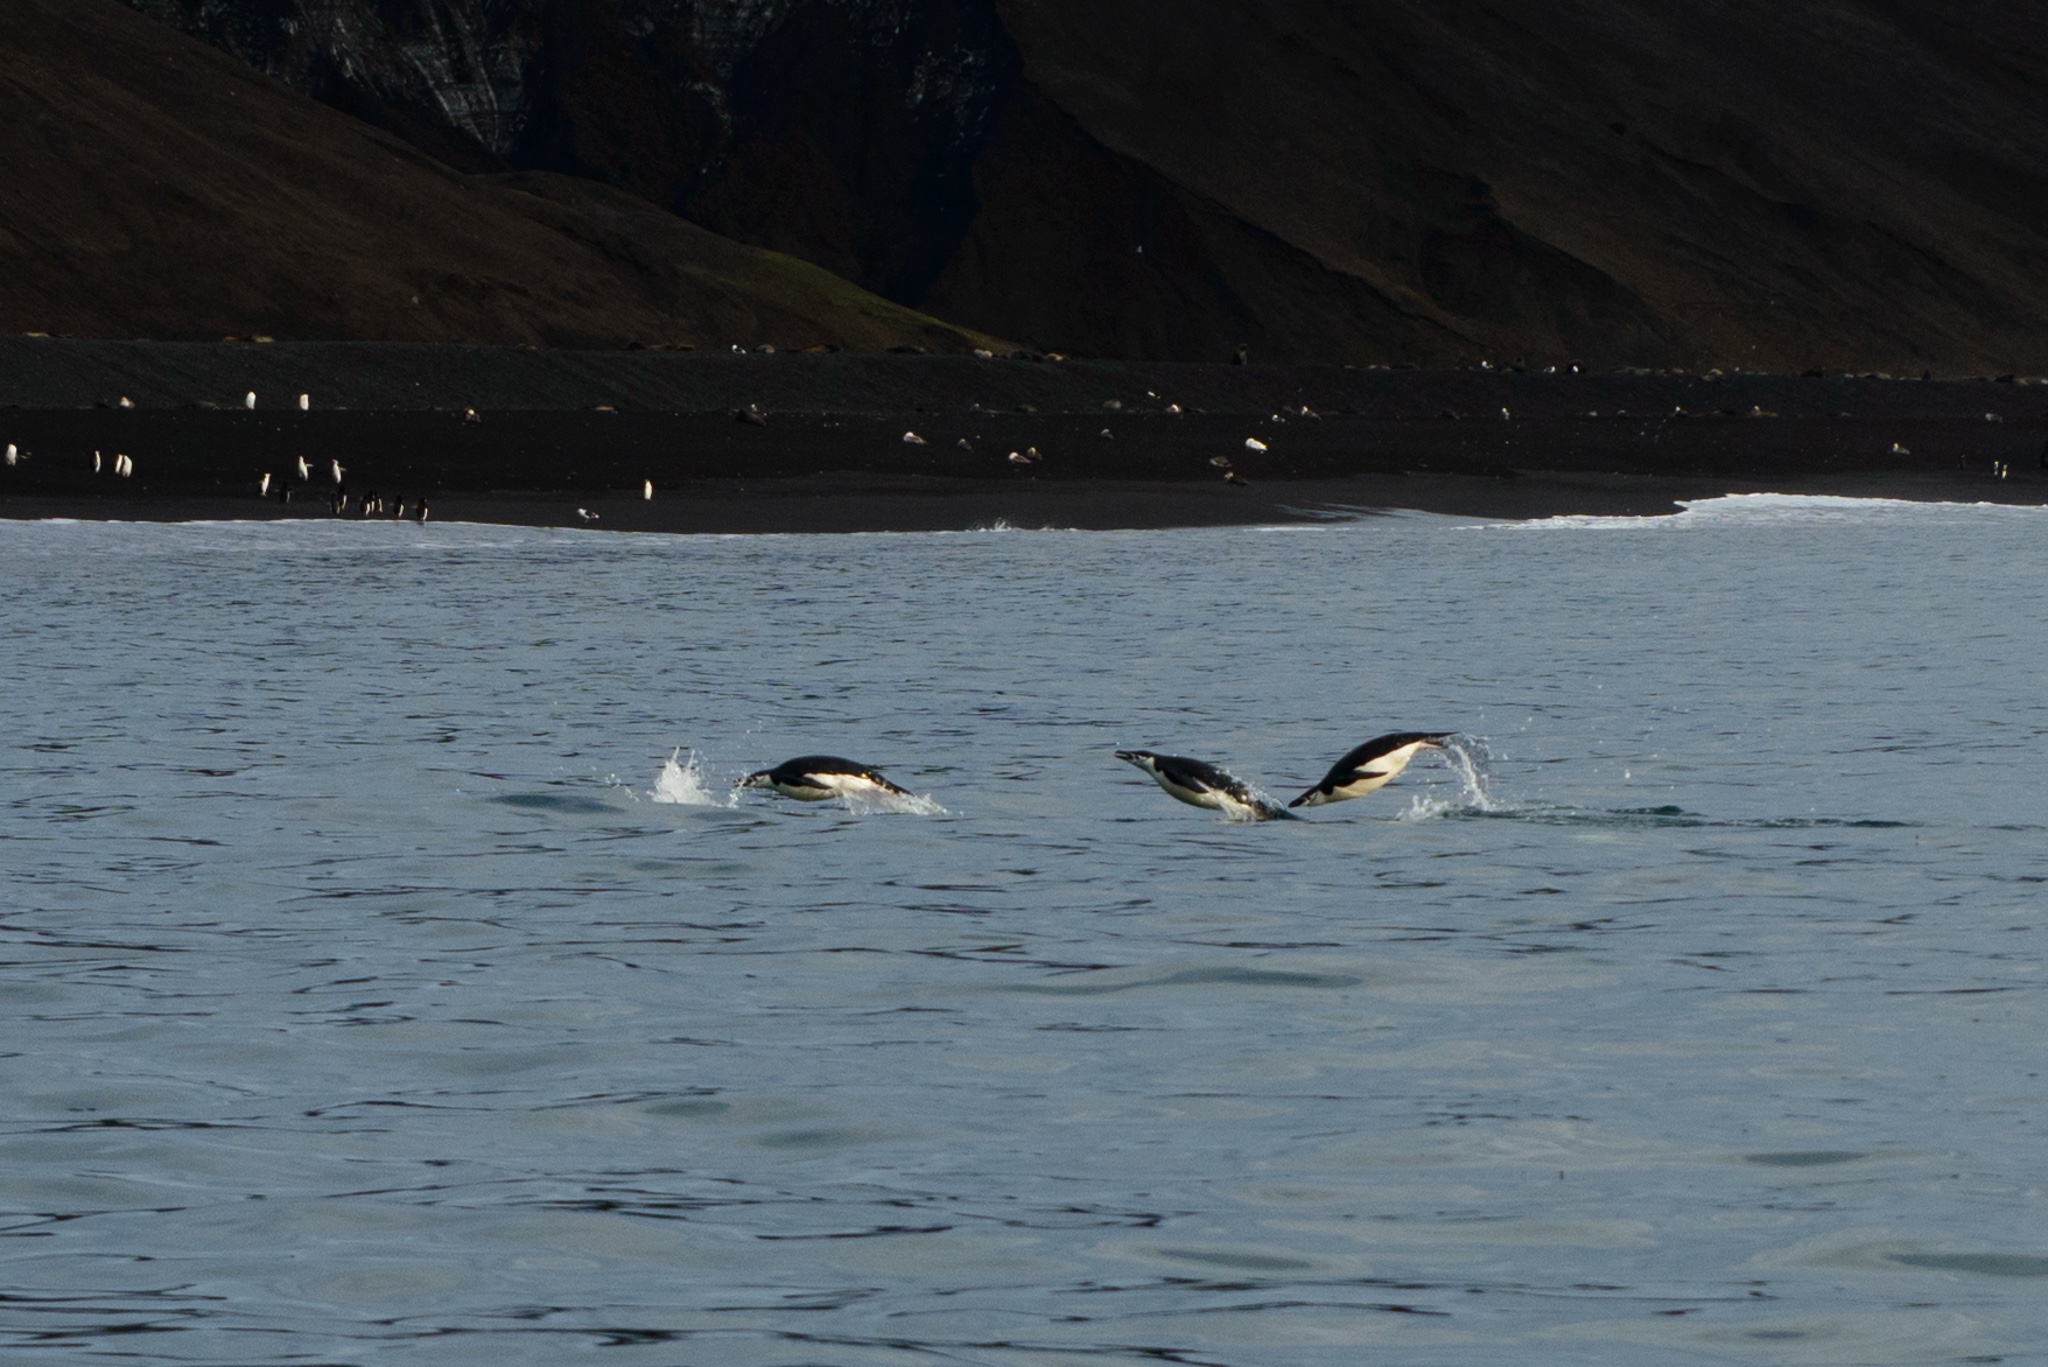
362,1000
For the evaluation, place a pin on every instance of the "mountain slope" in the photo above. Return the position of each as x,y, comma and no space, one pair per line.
1823,181
1855,184
158,187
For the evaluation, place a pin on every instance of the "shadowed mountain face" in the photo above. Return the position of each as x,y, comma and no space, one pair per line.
158,187
1763,183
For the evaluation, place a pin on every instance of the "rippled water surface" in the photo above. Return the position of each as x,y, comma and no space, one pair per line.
365,996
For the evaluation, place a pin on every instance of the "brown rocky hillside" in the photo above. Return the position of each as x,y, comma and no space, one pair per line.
157,187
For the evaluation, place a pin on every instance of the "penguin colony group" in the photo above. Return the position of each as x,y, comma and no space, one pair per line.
1367,769
339,501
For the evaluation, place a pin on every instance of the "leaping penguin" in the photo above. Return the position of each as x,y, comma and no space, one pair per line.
1204,785
816,778
1371,767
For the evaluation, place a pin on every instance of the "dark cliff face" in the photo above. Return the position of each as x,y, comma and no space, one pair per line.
1846,183
157,187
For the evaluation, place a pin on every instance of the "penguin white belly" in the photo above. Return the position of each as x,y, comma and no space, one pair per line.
1363,784
1365,771
1234,808
807,792
1209,800
850,785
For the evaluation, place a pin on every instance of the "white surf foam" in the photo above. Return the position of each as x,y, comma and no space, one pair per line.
1768,510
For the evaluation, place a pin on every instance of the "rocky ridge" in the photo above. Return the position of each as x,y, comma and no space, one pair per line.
1855,184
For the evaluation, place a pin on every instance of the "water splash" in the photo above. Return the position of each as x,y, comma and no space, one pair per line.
1470,760
682,784
1263,807
906,804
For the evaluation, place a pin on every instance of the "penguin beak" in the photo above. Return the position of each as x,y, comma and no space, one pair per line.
1127,756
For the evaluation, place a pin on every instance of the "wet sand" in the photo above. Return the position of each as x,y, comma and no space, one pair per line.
791,443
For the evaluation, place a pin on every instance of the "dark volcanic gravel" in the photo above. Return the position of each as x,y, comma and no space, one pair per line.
554,431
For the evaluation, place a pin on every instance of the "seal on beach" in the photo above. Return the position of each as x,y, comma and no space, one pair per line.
1371,767
1204,785
815,778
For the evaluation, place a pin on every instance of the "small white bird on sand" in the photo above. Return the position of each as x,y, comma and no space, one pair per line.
1254,444
337,471
263,485
305,403
647,489
249,399
912,439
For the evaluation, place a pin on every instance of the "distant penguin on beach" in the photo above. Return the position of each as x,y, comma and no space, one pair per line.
263,485
1371,767
305,470
1201,784
815,778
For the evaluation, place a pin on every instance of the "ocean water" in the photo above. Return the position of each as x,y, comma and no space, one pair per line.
389,976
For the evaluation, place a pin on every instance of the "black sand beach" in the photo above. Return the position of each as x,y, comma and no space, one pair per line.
791,442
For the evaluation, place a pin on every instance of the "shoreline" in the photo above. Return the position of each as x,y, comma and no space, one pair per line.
746,442
824,506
